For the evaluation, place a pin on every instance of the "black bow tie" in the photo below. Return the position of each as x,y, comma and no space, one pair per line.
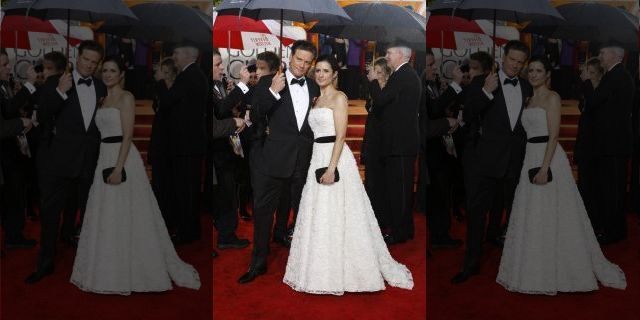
298,81
86,81
513,82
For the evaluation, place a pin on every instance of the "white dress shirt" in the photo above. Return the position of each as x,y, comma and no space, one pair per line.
512,98
87,98
299,97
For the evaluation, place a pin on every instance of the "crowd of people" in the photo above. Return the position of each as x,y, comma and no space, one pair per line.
493,149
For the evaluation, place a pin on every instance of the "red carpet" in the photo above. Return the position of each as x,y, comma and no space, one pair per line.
482,298
268,298
56,298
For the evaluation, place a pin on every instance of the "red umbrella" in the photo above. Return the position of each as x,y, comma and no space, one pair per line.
451,32
31,33
245,33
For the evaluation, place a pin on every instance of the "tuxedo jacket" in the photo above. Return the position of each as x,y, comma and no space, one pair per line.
436,112
495,150
9,128
397,107
611,106
221,126
186,103
67,148
278,153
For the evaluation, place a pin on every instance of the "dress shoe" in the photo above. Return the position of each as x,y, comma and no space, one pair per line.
283,241
233,244
214,254
446,243
463,276
254,271
20,243
390,239
38,275
244,215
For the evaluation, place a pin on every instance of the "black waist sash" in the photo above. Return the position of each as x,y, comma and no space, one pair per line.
327,139
114,139
540,139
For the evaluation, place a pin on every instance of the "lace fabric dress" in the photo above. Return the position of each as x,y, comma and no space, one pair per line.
550,245
337,245
124,245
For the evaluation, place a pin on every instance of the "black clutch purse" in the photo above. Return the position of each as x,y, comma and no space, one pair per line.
534,171
321,171
107,172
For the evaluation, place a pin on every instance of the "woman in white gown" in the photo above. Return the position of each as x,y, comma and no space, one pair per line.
550,245
124,245
337,245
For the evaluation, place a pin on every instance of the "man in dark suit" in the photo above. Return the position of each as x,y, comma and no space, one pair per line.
186,102
611,106
225,161
68,153
397,105
13,161
284,154
494,156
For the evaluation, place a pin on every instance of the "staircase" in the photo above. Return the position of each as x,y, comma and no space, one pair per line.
569,129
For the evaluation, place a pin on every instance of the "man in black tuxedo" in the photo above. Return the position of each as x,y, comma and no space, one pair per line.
397,105
225,161
69,149
284,154
13,161
494,156
186,104
611,106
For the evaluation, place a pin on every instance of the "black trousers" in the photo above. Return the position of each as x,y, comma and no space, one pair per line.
399,195
55,193
612,182
439,201
374,179
226,200
588,187
267,193
281,226
13,201
481,194
186,172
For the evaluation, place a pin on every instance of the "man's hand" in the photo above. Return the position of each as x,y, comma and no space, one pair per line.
27,124
278,82
491,82
453,124
371,75
65,82
245,75
240,124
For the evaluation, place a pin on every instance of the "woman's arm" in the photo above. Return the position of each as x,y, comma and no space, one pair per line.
127,118
553,125
340,119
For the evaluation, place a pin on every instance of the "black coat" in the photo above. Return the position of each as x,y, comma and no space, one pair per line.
397,107
67,149
495,150
276,154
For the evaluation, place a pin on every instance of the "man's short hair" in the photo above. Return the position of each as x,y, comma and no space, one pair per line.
306,46
516,45
272,60
90,45
485,60
58,59
216,52
3,52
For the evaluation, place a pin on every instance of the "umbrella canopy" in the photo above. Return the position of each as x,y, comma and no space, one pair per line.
292,10
506,10
30,33
164,22
79,10
376,21
245,33
458,33
592,22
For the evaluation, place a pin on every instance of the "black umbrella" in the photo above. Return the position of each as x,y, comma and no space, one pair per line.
506,10
592,22
79,10
164,22
379,22
292,10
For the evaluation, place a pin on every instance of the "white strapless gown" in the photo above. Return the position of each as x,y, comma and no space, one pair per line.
550,245
337,245
124,245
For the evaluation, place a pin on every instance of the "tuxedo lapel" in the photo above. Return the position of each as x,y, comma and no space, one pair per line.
288,102
524,103
499,94
74,100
